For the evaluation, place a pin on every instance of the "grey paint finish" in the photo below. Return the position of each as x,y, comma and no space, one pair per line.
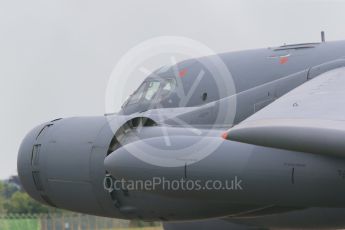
282,184
309,118
254,165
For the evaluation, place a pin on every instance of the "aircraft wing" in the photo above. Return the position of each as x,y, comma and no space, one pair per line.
310,118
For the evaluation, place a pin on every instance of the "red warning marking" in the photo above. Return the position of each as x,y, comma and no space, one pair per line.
283,60
182,73
225,135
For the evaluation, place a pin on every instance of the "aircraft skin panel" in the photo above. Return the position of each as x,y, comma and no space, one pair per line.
307,119
285,108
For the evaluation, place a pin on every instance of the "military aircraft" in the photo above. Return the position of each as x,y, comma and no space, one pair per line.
271,122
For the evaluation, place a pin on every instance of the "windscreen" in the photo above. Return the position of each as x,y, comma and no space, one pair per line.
151,91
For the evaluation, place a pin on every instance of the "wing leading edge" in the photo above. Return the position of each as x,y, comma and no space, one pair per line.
310,118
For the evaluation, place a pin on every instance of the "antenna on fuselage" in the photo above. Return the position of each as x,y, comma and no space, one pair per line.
323,39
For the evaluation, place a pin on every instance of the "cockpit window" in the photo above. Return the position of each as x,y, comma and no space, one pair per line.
137,95
152,90
168,87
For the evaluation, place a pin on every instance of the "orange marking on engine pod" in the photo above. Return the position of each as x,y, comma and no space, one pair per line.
182,73
225,135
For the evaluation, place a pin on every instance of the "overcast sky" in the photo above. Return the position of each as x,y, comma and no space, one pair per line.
56,56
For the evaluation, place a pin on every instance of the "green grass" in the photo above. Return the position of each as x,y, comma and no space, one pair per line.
145,228
19,224
33,224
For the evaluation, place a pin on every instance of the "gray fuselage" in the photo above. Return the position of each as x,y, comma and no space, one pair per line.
64,162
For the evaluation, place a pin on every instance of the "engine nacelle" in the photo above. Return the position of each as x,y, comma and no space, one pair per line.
60,163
